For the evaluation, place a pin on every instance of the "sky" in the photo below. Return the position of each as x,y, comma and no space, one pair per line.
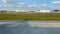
29,4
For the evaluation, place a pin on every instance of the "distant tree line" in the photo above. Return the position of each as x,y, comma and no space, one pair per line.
56,10
3,11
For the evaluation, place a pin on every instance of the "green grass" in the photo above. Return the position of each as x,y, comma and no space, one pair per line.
34,16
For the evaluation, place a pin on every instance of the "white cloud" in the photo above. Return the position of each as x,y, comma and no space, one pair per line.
5,1
31,6
0,5
19,6
34,5
44,5
5,5
56,2
22,3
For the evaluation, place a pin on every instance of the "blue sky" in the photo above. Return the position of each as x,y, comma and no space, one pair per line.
29,4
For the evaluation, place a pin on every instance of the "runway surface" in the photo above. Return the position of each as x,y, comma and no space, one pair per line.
29,27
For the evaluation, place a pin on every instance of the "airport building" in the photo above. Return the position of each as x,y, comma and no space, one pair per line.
45,11
31,11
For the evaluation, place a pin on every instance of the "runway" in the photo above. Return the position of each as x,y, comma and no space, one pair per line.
29,27
33,23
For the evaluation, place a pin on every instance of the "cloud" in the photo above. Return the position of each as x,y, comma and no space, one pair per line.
5,1
31,6
22,3
56,2
0,5
34,5
5,5
44,5
19,6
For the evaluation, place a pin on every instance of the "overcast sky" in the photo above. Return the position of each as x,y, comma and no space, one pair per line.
29,4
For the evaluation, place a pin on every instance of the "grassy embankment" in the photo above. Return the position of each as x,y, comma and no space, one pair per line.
41,16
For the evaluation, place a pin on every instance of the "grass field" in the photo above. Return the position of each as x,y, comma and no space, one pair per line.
34,16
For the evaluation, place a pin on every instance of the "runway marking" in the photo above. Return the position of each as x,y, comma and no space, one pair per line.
36,24
44,24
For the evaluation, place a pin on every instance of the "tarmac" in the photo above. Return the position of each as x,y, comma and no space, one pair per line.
29,27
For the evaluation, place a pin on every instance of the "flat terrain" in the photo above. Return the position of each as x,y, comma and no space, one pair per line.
32,16
33,23
29,27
